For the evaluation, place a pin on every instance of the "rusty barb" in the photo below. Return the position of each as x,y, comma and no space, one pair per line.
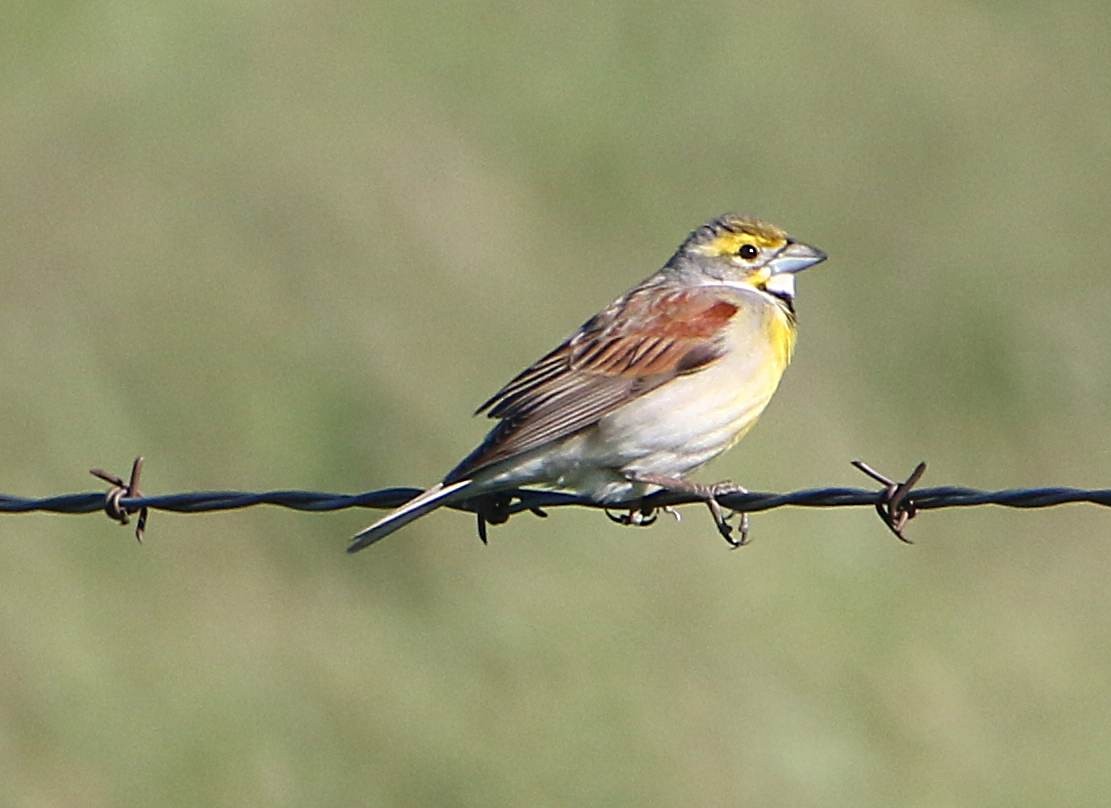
895,507
112,505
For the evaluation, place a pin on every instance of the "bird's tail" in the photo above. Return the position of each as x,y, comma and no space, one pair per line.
415,508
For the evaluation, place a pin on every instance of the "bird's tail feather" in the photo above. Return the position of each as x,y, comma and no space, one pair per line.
418,506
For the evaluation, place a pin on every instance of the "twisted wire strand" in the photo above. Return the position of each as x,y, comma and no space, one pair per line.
896,503
934,498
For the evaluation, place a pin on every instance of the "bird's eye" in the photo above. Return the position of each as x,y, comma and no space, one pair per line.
748,251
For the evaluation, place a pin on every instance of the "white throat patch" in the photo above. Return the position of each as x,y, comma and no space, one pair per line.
782,283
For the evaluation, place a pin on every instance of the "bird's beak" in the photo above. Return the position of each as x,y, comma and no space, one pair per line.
795,257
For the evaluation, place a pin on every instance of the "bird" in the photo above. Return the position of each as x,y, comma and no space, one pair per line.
655,385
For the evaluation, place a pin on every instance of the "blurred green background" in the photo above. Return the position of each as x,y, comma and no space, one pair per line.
277,245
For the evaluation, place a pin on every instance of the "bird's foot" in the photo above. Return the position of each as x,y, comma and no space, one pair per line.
642,517
721,519
634,517
708,494
494,510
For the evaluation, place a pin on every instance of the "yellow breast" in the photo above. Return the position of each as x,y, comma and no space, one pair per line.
781,333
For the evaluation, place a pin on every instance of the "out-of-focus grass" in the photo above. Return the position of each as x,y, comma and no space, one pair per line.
281,245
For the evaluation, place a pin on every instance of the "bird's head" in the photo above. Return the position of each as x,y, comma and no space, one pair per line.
743,251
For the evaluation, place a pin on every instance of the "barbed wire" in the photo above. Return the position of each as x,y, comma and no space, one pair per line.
896,502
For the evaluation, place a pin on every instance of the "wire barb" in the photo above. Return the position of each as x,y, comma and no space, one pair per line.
119,490
895,508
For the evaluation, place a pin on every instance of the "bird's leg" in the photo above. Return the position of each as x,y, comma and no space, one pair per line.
709,495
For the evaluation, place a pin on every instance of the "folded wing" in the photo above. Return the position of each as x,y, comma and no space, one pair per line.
638,343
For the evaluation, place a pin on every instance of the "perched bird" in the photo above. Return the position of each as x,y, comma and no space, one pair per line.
661,381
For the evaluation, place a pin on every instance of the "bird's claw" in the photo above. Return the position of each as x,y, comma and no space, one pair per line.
721,519
643,517
634,517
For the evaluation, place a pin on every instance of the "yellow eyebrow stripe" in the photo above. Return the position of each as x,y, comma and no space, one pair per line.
729,243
